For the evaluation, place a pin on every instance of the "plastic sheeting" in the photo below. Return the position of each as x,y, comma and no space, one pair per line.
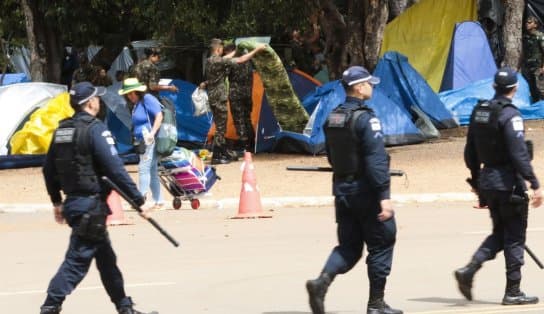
401,83
470,58
462,101
34,138
423,33
17,102
13,78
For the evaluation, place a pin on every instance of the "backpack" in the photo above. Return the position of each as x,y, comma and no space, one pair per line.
167,137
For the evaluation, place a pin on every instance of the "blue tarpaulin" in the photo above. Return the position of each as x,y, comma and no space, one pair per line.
403,85
462,101
470,58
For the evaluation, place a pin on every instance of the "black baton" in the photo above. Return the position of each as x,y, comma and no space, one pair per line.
139,210
533,256
392,172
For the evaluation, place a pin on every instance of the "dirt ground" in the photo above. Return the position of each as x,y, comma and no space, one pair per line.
433,167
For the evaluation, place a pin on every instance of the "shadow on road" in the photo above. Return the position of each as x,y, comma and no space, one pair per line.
452,301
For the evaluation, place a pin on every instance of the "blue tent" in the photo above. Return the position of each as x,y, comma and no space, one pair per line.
470,58
190,128
462,101
13,78
396,123
403,85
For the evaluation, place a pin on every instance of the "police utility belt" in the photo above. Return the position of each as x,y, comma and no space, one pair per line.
92,224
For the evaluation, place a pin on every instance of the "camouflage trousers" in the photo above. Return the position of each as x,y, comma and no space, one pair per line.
535,78
220,114
241,116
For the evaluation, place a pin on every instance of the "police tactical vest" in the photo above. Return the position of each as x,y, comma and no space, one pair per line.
490,144
343,142
73,159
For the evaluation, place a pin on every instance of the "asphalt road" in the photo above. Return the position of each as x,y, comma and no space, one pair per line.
260,266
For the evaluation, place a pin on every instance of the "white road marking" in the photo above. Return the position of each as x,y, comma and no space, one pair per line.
134,285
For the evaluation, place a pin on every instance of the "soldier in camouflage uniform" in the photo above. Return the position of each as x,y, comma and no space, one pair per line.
240,91
86,71
533,50
217,70
147,72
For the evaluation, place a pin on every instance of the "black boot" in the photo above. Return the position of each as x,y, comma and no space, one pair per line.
50,309
130,310
376,305
232,155
514,296
219,157
465,276
317,288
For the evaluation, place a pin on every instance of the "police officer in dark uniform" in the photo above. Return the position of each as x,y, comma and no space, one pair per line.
81,152
496,139
361,186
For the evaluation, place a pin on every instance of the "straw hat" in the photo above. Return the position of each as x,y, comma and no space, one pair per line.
130,85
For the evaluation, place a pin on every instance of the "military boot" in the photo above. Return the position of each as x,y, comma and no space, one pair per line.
219,157
376,304
232,155
130,310
514,296
465,276
317,288
50,309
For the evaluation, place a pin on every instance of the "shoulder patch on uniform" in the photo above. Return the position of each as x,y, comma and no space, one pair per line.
337,119
375,124
517,123
64,135
106,133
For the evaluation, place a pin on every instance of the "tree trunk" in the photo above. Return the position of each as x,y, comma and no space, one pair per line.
513,25
376,18
335,30
354,49
36,62
396,7
54,53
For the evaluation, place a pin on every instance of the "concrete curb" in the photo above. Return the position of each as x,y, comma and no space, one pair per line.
208,202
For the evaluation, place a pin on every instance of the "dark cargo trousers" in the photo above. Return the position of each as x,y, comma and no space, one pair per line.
509,229
76,265
357,225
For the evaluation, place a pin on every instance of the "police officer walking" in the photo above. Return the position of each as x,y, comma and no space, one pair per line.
496,139
361,186
81,152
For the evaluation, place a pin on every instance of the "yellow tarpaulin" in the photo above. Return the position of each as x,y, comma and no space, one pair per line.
423,34
35,136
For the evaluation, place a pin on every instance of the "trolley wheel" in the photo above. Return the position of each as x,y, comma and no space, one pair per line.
176,203
195,203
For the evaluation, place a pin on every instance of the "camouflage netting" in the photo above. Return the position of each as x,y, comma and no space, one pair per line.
280,94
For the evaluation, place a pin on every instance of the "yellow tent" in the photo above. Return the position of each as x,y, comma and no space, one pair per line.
35,136
423,34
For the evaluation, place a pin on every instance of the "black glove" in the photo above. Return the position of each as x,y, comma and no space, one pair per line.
140,201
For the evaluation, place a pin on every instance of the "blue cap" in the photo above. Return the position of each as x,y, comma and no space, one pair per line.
82,92
506,77
358,74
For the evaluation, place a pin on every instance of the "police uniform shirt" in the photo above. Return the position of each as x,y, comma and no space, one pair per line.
106,163
503,178
374,159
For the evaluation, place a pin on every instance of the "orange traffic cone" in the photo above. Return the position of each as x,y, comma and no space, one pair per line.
117,216
250,200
